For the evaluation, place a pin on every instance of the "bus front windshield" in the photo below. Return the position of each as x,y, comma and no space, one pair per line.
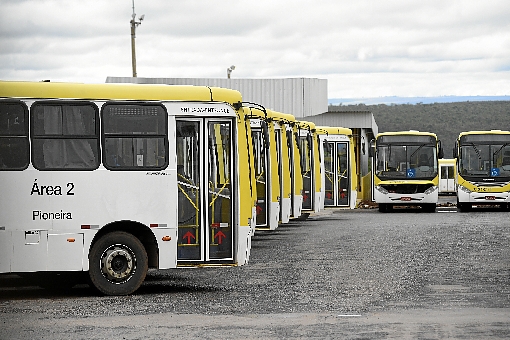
487,160
406,161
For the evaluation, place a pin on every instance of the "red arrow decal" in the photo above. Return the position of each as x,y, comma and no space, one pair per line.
219,235
189,236
259,209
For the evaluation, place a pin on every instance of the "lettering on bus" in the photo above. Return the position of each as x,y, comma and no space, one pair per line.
478,189
42,215
52,190
204,110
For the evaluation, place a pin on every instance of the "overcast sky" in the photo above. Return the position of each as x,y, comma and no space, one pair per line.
364,48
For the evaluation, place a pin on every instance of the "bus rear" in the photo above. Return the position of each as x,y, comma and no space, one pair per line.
406,169
338,167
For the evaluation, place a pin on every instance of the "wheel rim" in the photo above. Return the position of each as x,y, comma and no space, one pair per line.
118,263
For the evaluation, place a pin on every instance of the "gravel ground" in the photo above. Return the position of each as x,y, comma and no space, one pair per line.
340,274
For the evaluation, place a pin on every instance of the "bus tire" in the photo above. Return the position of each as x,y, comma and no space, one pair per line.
429,207
464,207
385,207
118,264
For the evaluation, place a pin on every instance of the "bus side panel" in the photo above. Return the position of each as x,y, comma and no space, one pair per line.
29,250
5,251
65,251
274,215
167,249
246,191
285,209
48,208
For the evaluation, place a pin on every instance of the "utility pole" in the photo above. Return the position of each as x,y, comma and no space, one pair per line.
134,25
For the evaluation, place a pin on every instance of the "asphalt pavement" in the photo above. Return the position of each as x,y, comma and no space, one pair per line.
341,274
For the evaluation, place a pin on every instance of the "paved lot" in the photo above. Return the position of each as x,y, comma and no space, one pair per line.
341,274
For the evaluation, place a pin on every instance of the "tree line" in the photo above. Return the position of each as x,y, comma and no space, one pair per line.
446,120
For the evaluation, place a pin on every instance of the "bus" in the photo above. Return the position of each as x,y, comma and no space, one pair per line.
287,165
483,169
406,169
267,172
447,177
114,179
338,167
291,126
310,167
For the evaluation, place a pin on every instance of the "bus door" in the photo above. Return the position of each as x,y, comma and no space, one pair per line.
290,150
336,166
205,188
279,160
260,146
342,174
306,147
447,178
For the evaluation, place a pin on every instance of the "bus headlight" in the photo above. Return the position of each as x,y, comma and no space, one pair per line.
430,190
381,189
464,189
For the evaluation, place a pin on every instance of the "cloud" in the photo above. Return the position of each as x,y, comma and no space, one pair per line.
363,48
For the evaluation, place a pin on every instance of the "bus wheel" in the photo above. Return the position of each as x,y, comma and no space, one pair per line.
385,207
117,264
429,207
464,207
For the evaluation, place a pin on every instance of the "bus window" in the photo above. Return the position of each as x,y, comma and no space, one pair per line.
65,136
14,144
135,136
220,190
259,146
188,194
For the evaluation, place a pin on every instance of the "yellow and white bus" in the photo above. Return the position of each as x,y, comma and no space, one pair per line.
406,169
285,160
338,167
294,156
483,169
267,167
115,179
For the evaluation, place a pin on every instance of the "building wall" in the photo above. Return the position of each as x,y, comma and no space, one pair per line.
300,97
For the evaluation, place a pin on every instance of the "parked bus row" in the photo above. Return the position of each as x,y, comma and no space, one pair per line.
117,179
409,169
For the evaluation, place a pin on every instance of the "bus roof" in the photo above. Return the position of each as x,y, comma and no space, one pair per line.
489,132
38,90
279,116
330,130
254,112
403,133
306,125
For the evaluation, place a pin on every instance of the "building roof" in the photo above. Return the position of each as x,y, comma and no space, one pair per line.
348,119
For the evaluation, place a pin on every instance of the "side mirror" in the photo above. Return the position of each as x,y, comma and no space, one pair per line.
371,149
441,151
455,150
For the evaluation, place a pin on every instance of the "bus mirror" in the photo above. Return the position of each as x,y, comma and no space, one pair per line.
327,146
265,129
440,149
371,149
455,150
441,153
